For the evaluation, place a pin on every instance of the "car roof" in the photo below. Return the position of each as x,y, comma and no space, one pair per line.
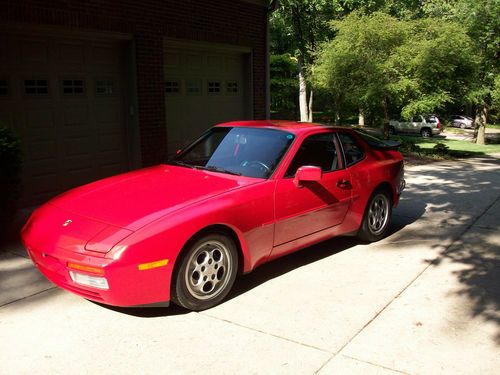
295,127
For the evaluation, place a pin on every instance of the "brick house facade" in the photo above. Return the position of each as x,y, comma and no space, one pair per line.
147,27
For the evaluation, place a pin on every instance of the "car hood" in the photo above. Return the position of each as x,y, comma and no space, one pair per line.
134,199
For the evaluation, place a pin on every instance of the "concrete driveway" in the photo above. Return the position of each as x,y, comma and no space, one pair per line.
425,300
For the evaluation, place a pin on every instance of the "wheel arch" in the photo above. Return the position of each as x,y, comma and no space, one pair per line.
216,228
386,186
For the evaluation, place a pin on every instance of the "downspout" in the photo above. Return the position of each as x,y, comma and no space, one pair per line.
272,7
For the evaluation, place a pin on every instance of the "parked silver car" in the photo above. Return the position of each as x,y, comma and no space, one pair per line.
461,121
426,126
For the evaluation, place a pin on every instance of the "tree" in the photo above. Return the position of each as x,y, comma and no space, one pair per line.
357,64
297,26
283,84
378,60
481,20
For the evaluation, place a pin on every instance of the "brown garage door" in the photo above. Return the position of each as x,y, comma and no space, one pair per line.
66,99
203,86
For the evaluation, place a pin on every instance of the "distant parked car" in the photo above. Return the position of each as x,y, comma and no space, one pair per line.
425,126
460,121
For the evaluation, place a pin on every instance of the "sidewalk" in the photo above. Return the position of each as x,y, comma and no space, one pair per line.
425,300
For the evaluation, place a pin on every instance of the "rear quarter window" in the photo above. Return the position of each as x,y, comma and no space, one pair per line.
353,152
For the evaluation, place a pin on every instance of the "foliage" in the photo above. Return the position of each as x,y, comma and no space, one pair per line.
481,20
376,58
440,149
408,145
284,84
455,148
10,153
10,168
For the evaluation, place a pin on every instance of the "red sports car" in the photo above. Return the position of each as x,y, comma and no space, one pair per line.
241,195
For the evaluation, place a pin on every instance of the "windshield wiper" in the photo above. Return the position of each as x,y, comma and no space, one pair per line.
213,168
181,163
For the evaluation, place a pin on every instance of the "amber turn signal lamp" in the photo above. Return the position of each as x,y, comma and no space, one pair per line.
90,269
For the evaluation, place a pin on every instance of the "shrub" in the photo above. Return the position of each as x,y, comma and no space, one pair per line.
10,168
440,149
408,145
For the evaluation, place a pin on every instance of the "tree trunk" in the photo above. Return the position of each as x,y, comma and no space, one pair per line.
310,107
361,118
480,123
304,110
386,117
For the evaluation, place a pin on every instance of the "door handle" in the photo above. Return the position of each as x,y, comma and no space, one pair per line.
344,184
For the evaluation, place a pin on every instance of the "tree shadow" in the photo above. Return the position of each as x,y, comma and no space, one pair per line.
456,196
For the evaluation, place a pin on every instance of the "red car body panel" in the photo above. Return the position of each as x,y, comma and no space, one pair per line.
145,216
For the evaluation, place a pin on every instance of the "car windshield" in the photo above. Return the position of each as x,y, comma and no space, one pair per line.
250,152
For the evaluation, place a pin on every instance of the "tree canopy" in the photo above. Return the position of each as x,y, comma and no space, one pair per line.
388,57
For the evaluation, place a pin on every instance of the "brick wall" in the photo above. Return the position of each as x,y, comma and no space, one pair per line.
215,21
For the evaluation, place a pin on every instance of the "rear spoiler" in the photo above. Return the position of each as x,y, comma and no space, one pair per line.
387,144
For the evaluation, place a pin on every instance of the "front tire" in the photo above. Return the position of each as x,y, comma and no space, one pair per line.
206,273
377,216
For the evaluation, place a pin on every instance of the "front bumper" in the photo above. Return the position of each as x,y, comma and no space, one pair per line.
128,286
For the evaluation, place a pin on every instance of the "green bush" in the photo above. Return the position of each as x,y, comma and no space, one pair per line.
440,149
408,145
10,169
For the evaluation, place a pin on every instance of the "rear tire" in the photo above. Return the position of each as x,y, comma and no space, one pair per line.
206,273
377,216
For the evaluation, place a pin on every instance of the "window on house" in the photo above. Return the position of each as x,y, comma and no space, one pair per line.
172,87
4,87
232,87
104,87
72,86
36,86
214,87
194,87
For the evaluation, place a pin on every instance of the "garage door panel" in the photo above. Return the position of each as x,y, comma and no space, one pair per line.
172,59
43,184
109,143
65,132
78,145
76,119
42,167
34,52
194,62
39,122
72,53
7,52
110,169
42,150
213,87
109,112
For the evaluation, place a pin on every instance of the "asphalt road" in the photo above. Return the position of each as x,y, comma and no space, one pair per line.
425,300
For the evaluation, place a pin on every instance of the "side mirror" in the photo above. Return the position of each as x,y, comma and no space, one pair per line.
307,173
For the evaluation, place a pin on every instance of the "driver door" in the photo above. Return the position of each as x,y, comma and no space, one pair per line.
314,205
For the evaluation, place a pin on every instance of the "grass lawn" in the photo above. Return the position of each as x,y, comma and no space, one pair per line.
455,148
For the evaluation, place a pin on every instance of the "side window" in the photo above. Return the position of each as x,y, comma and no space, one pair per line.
352,150
318,150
